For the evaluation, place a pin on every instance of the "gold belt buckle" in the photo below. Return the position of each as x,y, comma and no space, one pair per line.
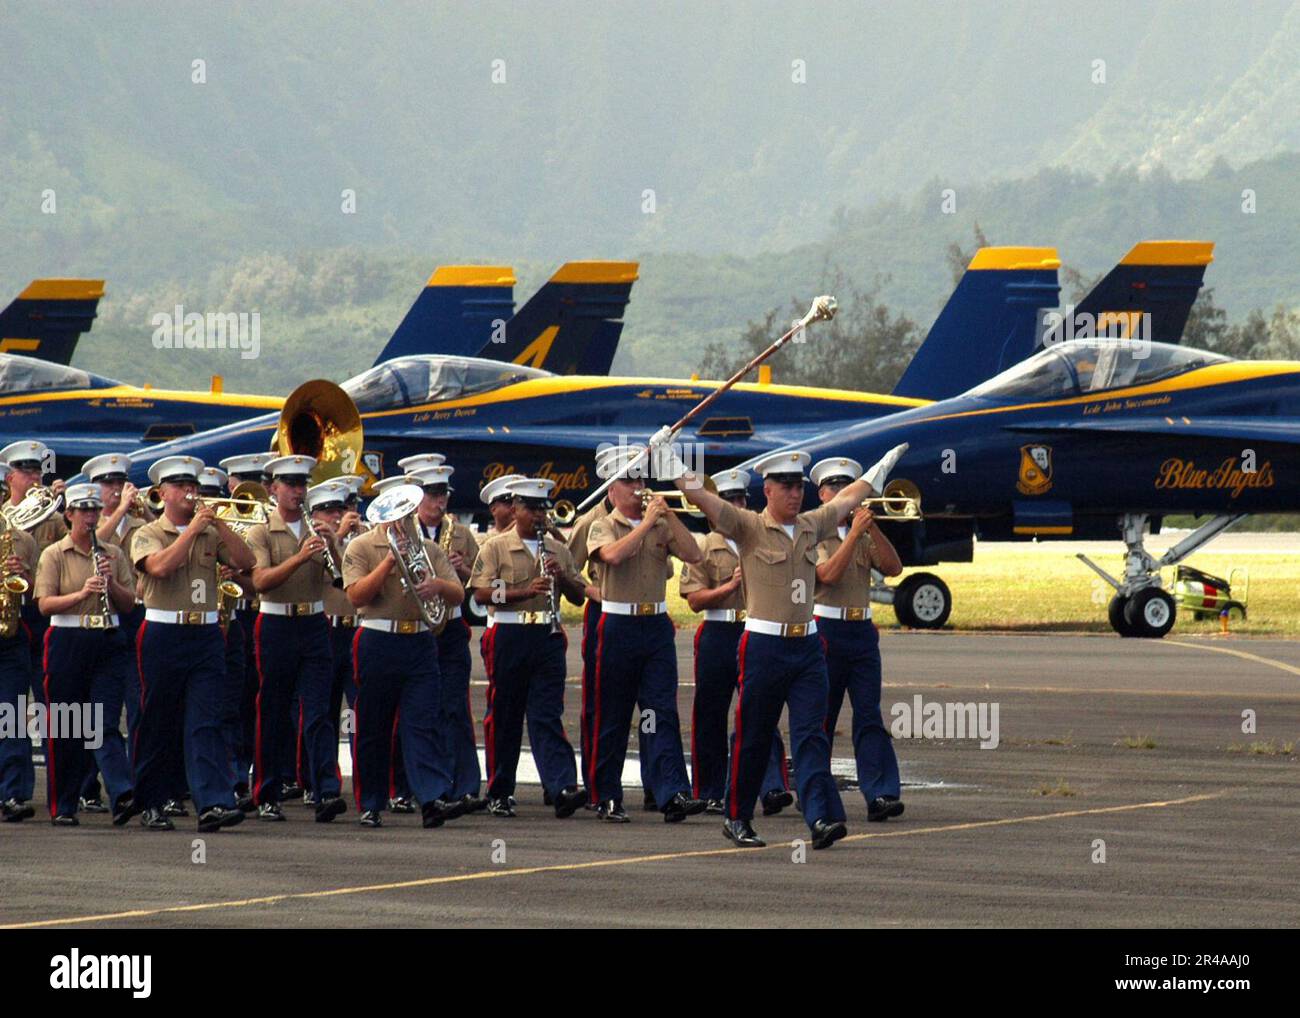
645,608
530,618
301,608
740,615
348,621
406,627
796,629
94,622
855,614
190,618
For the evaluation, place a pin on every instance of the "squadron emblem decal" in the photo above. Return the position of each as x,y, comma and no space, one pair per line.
1035,469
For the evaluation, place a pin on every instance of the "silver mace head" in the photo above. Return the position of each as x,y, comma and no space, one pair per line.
823,309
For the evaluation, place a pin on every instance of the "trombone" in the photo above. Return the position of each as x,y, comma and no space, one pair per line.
247,506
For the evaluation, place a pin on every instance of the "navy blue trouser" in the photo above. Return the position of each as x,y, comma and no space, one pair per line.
248,699
457,727
17,775
85,666
853,666
716,673
776,671
293,664
636,665
232,697
35,623
130,695
525,667
590,627
182,674
397,684
341,687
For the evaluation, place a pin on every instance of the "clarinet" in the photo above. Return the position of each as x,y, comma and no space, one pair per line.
98,557
543,558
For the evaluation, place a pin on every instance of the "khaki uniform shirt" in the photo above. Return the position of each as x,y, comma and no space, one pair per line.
712,571
64,569
273,543
463,540
193,587
780,573
853,589
643,577
127,528
506,558
25,548
393,603
577,542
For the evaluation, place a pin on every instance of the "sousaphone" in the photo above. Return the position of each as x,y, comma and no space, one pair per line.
320,420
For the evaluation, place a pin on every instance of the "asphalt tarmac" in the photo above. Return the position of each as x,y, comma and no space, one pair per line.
1123,750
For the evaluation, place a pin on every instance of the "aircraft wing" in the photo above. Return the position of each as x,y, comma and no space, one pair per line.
1272,429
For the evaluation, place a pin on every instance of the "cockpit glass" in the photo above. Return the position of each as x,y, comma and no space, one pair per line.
25,374
412,381
1084,366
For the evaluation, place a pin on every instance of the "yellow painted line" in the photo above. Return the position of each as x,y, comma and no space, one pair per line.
275,899
1244,655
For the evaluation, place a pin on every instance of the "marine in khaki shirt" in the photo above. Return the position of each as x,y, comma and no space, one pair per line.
507,575
64,569
22,562
274,545
374,582
634,550
169,583
714,571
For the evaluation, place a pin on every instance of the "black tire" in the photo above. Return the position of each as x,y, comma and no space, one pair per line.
922,601
1115,612
1236,611
1150,613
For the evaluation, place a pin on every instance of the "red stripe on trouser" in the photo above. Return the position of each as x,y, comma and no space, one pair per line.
489,717
303,781
733,808
584,740
51,777
356,717
392,755
595,722
257,737
139,667
695,756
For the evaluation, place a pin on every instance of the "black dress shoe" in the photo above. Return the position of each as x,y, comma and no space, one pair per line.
15,810
271,812
215,817
648,804
612,811
775,801
434,814
401,804
65,820
309,798
826,832
173,808
546,798
329,808
883,807
125,809
370,819
681,806
156,820
92,806
244,803
290,791
740,832
715,807
474,803
501,806
568,801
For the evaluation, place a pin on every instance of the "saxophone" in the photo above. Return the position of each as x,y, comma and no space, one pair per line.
12,586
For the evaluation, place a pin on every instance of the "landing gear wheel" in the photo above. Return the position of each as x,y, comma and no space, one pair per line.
1236,611
922,601
1150,613
1116,615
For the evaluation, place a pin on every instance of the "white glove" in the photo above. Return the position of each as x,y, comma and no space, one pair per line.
661,437
667,465
878,472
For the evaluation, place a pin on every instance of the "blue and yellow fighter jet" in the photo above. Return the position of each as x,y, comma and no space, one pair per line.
1097,438
572,323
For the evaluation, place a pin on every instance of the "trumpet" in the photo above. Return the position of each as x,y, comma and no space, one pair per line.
562,514
905,508
686,507
150,499
248,505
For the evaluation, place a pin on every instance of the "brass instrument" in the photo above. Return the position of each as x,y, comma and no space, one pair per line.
37,506
150,499
562,514
900,501
105,602
396,507
228,594
687,507
12,585
320,420
248,505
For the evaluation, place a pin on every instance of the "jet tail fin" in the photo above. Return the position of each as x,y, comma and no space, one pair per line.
47,319
570,326
1158,279
991,321
457,312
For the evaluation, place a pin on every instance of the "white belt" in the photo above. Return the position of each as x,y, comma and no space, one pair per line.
292,609
454,614
634,607
781,628
405,626
84,621
522,618
724,614
180,618
491,621
826,611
